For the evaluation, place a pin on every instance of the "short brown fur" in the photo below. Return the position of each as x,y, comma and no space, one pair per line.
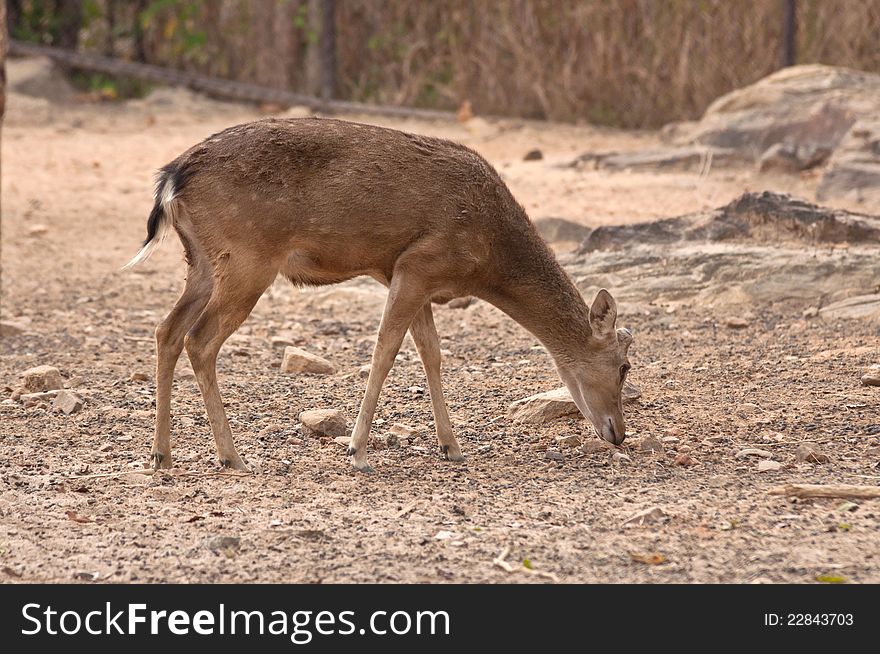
322,201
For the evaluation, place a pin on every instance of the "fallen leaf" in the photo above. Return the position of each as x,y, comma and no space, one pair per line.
654,558
527,564
831,579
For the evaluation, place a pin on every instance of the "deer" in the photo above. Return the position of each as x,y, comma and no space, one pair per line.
321,201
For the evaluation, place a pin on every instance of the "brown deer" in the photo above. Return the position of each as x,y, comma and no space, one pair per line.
322,201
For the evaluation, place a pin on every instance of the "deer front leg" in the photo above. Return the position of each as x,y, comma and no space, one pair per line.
424,335
405,298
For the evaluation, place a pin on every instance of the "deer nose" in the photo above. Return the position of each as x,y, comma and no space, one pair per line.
612,435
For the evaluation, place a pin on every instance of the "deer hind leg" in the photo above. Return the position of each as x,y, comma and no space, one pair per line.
169,344
238,284
424,335
405,298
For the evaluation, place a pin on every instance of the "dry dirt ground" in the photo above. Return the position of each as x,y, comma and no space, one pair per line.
76,192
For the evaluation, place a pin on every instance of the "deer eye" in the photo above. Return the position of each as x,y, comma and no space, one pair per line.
623,370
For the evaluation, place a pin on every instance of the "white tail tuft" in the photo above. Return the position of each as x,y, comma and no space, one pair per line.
164,199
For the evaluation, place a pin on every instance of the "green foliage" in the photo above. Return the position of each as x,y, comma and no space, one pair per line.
106,87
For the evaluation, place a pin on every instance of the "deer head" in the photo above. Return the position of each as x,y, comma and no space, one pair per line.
595,380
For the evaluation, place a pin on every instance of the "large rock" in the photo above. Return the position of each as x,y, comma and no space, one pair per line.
42,378
552,405
759,250
853,172
811,105
329,423
297,360
860,306
762,217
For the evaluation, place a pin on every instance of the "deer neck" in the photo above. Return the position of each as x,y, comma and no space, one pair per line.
535,291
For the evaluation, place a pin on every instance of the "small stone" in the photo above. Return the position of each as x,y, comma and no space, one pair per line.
404,431
67,402
74,381
630,392
650,444
391,440
42,378
669,440
766,465
751,451
297,360
685,460
568,441
810,312
106,447
416,390
595,446
323,422
139,376
283,340
37,229
674,431
343,440
125,438
620,458
33,398
736,323
223,544
550,455
648,516
11,328
364,371
872,377
809,453
533,155
747,409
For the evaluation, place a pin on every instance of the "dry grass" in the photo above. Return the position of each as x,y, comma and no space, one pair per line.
631,63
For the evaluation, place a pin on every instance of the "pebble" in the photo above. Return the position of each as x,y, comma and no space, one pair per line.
11,328
553,456
297,360
737,323
533,155
650,444
809,453
323,422
751,451
766,465
568,441
343,440
620,458
596,445
42,378
67,402
404,431
36,397
139,376
872,377
685,460
364,371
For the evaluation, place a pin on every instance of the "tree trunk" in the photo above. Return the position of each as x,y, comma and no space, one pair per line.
313,48
69,22
328,49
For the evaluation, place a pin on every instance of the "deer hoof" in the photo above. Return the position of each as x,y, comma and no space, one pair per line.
452,453
159,460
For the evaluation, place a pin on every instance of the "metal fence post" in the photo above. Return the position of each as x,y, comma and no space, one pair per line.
789,33
328,49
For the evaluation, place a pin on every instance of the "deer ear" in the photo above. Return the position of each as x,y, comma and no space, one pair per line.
603,314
